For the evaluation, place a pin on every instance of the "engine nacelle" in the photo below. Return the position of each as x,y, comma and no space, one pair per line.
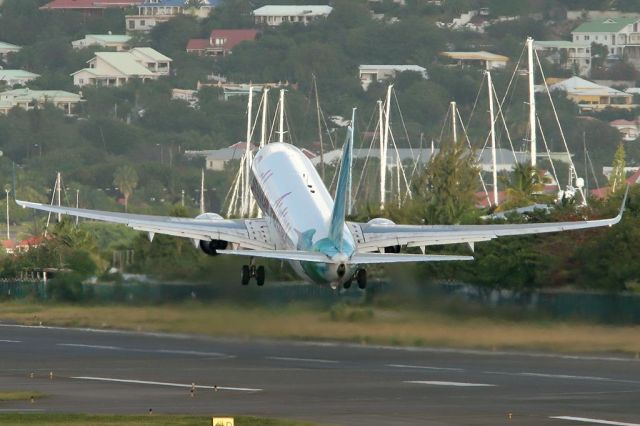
211,247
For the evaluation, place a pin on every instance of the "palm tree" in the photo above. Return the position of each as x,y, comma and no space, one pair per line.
125,179
525,186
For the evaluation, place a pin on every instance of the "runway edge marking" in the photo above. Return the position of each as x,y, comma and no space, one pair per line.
424,367
441,383
592,421
177,385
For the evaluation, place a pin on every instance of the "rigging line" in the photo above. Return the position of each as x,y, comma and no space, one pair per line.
506,129
564,140
366,160
475,103
593,171
445,123
464,131
544,139
289,128
404,125
273,123
393,140
232,188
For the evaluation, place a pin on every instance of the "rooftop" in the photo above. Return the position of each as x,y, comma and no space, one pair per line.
5,45
89,4
124,62
178,3
234,37
416,68
150,53
476,56
7,74
110,38
292,10
580,86
608,25
560,44
28,94
198,44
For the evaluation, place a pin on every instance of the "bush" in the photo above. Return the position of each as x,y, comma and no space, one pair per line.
66,287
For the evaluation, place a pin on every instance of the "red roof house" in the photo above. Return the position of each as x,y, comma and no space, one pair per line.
220,42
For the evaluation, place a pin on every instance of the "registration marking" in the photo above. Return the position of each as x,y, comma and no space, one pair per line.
177,385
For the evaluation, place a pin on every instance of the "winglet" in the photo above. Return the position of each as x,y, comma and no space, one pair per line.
340,203
624,202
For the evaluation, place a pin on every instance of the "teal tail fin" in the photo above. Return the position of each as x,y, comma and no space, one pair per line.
340,202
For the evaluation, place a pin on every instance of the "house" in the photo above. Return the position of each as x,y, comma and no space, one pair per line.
220,42
187,95
23,246
274,15
486,60
380,73
620,34
117,68
154,12
570,55
603,192
593,97
28,99
16,77
111,41
89,7
6,49
630,129
218,158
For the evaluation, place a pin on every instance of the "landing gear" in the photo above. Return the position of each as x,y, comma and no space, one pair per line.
347,284
250,271
260,275
246,275
361,277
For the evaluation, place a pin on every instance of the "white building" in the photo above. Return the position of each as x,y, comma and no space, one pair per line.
16,77
117,68
592,96
570,55
6,49
621,35
28,99
380,73
112,41
275,15
630,129
154,12
487,60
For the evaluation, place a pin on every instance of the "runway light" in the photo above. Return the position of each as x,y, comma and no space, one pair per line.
215,388
31,375
50,375
32,399
150,411
510,416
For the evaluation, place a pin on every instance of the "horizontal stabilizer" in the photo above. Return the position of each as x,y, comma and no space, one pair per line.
365,258
356,259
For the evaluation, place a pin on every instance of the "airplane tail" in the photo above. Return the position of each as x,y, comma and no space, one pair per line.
340,202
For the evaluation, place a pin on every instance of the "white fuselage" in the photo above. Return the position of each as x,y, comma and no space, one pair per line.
297,208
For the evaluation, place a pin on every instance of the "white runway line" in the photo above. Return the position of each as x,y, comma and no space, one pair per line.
593,421
284,358
160,351
10,341
440,383
177,385
424,367
564,377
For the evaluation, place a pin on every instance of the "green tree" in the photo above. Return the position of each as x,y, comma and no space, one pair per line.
448,185
616,180
126,179
525,185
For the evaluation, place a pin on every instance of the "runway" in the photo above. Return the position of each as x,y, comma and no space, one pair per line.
97,371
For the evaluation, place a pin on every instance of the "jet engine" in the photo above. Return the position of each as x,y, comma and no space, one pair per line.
380,221
211,247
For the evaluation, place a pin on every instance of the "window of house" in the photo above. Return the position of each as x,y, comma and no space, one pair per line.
586,38
81,81
132,24
142,23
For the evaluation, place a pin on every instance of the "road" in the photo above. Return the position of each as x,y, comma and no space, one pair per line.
97,371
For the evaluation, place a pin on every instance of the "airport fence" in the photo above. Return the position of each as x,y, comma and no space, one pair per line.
594,307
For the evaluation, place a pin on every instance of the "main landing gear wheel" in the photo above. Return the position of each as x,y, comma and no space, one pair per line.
347,284
361,277
260,274
246,274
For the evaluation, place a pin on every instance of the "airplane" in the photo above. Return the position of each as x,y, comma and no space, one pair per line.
303,225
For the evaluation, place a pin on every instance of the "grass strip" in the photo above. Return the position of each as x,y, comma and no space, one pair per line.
347,324
148,420
19,396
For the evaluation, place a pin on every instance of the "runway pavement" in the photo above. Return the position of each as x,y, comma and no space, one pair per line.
98,371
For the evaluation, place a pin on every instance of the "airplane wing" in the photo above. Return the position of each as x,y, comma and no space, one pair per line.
243,233
373,237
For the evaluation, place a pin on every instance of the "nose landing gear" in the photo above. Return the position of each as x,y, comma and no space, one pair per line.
251,271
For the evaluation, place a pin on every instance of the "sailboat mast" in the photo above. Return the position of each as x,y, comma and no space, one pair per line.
263,128
384,148
532,101
382,169
454,112
202,191
315,87
281,126
493,140
247,153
